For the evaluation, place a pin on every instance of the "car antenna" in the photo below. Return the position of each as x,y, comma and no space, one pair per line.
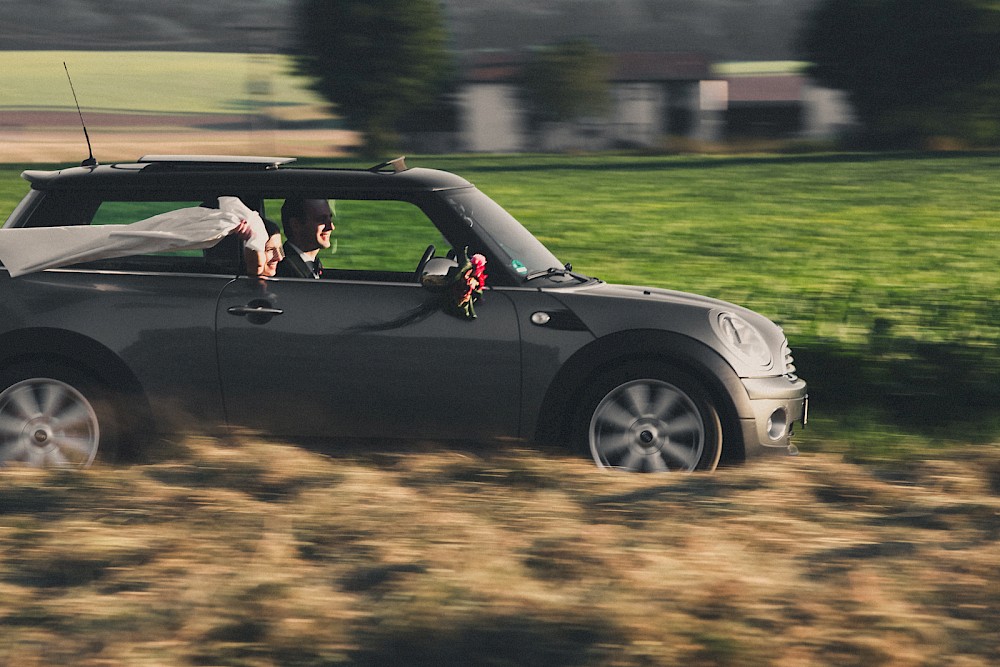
90,161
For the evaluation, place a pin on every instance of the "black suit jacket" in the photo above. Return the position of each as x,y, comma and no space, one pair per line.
292,265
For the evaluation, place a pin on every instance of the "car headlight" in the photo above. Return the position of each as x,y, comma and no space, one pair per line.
741,338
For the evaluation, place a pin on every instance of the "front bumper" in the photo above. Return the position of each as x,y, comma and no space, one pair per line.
777,404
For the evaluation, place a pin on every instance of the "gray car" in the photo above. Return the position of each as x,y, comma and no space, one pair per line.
95,355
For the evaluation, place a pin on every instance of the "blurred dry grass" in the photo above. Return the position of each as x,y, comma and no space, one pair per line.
67,144
248,552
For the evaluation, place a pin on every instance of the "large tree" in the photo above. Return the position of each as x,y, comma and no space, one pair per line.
376,60
912,68
567,82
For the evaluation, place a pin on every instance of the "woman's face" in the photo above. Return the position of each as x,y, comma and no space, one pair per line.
265,264
273,253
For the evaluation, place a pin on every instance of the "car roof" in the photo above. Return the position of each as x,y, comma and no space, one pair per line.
158,172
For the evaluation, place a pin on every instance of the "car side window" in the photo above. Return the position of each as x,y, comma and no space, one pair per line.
376,240
222,259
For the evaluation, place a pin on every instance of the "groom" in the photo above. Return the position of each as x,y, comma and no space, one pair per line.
308,224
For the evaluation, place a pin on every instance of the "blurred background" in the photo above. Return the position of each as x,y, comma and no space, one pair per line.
628,74
317,78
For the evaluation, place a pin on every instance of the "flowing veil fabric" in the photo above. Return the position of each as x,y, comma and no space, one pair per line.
25,250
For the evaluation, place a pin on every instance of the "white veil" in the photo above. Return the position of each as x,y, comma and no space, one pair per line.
28,249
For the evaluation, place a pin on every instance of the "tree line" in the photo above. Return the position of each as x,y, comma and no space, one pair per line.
912,69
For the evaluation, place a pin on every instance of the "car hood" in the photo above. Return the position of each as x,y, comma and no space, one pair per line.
658,294
608,308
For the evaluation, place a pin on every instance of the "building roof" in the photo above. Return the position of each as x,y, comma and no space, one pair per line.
660,66
493,66
504,66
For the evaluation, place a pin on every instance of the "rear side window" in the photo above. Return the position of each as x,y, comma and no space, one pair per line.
58,209
63,208
222,258
126,212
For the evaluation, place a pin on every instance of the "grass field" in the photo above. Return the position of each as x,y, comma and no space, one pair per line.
255,554
149,82
160,102
882,270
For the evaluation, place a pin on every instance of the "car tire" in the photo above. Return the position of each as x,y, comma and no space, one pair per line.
649,418
54,416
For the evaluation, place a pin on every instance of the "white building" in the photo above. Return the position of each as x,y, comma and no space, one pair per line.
776,100
654,95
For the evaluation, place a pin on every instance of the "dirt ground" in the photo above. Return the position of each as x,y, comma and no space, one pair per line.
58,137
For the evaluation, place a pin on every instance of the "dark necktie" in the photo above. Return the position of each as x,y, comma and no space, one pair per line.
317,268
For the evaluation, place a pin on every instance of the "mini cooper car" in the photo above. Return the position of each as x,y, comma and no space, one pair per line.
94,354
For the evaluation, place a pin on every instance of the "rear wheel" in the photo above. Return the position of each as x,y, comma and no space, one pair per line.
650,419
52,416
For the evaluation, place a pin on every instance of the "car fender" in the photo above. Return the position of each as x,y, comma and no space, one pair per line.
84,354
680,351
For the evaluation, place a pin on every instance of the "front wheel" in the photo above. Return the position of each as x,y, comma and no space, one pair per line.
51,417
643,421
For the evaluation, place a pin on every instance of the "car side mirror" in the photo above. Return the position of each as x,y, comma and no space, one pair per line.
435,273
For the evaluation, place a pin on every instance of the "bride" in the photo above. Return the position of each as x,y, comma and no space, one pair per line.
262,263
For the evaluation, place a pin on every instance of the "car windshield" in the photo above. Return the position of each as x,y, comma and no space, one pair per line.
524,253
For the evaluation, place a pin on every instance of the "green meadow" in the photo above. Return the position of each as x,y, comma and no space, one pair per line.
881,268
149,81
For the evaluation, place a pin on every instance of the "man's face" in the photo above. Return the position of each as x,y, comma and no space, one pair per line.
312,231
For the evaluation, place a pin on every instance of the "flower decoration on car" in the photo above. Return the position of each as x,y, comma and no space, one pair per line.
466,285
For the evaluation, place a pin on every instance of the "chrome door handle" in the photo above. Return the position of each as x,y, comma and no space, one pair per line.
254,310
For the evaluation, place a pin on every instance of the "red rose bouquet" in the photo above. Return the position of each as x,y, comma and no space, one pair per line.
466,285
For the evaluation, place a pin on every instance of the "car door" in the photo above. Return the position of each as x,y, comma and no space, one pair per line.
154,310
305,357
367,351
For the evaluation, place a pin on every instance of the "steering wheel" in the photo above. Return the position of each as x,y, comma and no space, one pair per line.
426,257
